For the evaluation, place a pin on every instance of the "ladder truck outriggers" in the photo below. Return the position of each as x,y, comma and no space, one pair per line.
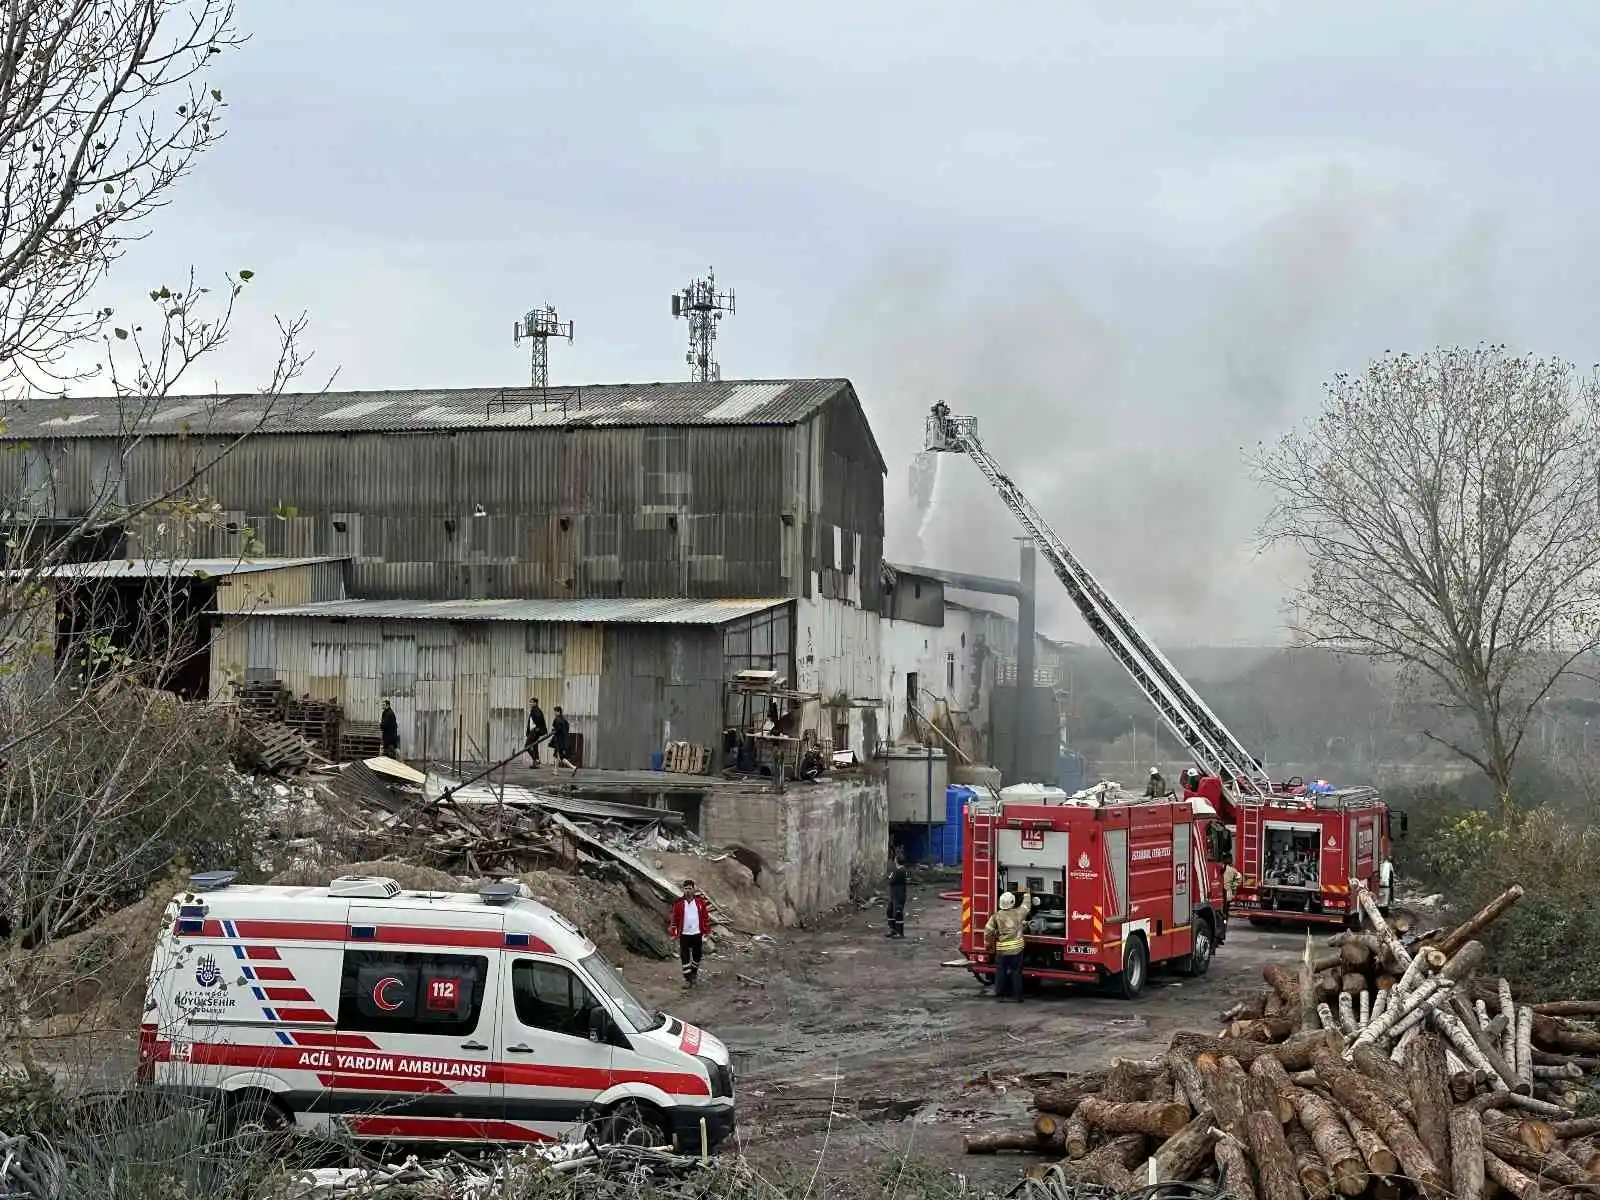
1298,849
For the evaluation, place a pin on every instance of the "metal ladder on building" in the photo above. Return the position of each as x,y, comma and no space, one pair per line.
1210,741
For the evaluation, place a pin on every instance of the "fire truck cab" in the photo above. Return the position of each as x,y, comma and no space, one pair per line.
1116,885
1299,854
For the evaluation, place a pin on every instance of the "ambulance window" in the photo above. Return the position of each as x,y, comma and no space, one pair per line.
390,991
549,996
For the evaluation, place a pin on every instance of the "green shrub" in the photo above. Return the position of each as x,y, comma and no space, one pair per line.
1548,944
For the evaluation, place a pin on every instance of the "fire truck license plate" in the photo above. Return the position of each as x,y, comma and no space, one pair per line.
1033,839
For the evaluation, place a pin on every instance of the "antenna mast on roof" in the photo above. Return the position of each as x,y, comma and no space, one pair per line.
703,305
537,328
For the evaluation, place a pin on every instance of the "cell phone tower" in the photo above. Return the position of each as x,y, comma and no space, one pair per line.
703,306
537,327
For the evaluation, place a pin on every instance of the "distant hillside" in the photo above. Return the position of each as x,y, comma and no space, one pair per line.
1303,706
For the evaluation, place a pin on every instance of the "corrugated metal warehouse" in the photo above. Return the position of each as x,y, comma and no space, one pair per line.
728,489
631,674
618,550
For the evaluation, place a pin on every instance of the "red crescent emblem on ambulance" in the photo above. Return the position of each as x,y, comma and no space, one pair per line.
380,993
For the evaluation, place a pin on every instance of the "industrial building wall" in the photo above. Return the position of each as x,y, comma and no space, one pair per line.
661,684
462,688
953,662
705,511
835,486
305,583
837,655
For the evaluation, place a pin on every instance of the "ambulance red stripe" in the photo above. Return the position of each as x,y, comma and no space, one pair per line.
289,1058
443,1128
274,975
350,1082
262,954
303,1016
297,995
333,1041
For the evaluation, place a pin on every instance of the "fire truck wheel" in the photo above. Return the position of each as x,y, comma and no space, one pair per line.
1129,982
1200,953
253,1119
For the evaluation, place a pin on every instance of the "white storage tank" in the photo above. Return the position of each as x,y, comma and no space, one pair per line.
918,776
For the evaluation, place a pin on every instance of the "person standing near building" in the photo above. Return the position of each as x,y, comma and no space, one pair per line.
389,732
897,896
537,729
690,923
561,740
1004,933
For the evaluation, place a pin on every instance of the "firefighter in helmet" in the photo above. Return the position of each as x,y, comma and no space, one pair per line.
1004,935
1230,885
1157,786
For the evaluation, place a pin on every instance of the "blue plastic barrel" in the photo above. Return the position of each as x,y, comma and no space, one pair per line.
657,760
953,834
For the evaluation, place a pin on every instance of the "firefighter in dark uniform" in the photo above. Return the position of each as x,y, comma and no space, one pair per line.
897,896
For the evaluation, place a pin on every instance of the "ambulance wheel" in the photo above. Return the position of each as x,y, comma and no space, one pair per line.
254,1119
1199,961
1129,982
632,1123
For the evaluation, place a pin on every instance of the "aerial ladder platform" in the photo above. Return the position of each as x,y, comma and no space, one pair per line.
1213,745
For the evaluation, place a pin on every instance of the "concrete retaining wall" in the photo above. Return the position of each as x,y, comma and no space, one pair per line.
821,844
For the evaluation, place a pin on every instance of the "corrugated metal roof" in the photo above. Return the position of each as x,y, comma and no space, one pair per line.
587,612
167,568
726,402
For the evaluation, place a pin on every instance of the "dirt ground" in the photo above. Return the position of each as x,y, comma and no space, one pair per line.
858,1048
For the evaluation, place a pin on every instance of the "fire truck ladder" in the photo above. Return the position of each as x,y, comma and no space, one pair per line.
1180,706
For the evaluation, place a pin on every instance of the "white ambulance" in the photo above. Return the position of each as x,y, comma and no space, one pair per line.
362,1010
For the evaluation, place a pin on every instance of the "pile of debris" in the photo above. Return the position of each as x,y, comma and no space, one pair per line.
1380,1065
36,1168
564,1169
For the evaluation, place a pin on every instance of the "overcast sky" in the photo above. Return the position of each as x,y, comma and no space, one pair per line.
1130,243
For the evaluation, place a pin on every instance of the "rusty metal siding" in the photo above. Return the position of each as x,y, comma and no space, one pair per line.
463,686
661,684
249,592
568,513
849,507
230,657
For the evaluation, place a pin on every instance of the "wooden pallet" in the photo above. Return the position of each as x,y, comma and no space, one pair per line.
686,758
273,747
358,740
263,699
318,721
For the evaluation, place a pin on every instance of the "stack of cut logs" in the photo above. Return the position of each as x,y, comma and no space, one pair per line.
1377,1069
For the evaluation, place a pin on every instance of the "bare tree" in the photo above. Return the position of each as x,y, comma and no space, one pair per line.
105,105
1446,506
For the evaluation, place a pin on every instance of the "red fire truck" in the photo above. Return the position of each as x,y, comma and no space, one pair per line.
1117,886
1298,851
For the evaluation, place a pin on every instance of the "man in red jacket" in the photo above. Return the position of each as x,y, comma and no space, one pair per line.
691,922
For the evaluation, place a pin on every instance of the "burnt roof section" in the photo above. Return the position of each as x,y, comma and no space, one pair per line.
726,402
